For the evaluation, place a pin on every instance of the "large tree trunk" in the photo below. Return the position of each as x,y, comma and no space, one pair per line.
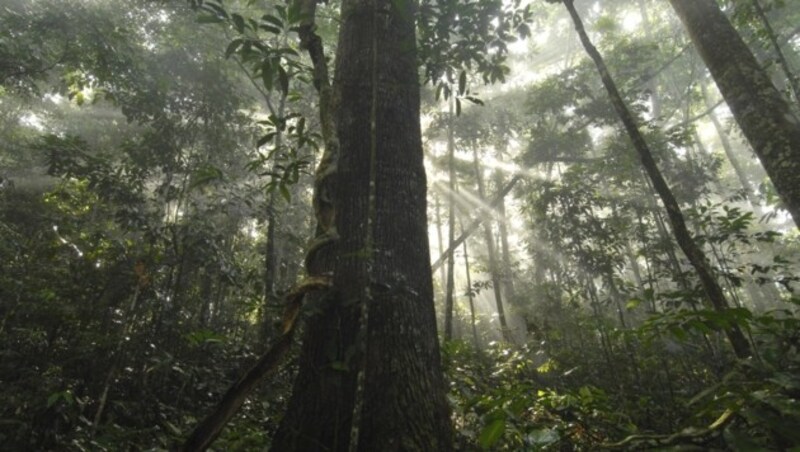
715,295
370,375
762,113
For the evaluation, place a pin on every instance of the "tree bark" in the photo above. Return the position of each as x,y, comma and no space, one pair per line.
370,375
762,113
697,258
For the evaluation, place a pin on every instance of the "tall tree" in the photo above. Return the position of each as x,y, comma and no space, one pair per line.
470,293
728,149
502,225
370,376
763,114
776,47
488,237
714,294
451,222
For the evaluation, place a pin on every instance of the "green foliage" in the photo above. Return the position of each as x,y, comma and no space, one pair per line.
764,392
543,397
460,36
131,270
143,146
272,61
504,401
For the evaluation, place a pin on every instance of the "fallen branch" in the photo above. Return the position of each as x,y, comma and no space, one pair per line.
687,435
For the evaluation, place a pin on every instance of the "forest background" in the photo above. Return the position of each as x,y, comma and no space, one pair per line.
157,170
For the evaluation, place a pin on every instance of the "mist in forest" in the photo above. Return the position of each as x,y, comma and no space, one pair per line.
450,225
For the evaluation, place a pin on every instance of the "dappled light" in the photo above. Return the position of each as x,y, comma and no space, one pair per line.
506,225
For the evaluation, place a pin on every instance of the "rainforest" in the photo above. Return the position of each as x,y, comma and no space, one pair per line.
399,225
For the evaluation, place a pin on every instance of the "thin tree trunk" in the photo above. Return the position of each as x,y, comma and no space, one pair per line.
766,119
470,296
488,237
713,291
507,270
605,341
728,148
270,268
440,238
652,84
206,289
451,224
773,39
271,251
117,359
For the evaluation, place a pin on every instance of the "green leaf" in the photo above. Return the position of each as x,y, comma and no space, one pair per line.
474,100
462,83
293,14
288,51
458,107
586,394
238,22
270,29
285,192
215,9
200,337
233,47
265,139
54,397
273,20
173,429
491,433
678,332
281,11
524,31
209,19
204,175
